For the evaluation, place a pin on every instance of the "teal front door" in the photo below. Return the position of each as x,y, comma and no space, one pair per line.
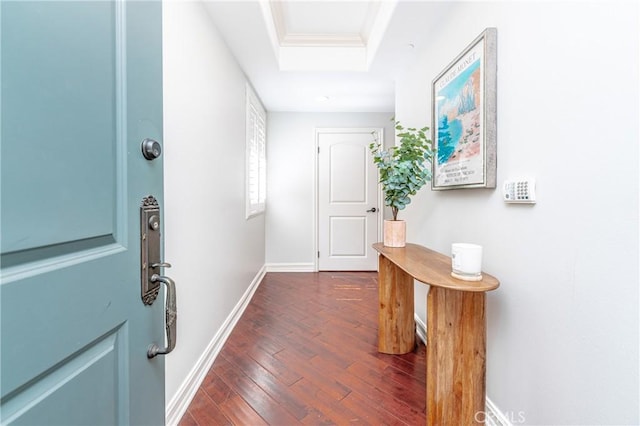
81,89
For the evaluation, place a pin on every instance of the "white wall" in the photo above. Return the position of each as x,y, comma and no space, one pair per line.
290,178
215,252
563,326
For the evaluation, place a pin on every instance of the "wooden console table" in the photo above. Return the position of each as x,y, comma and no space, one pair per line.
456,329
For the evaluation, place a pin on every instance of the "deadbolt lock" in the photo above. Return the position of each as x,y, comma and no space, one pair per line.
151,149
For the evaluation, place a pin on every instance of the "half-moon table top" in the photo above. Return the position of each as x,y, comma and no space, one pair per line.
432,268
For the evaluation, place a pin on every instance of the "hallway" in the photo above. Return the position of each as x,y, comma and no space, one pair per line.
134,139
550,314
305,352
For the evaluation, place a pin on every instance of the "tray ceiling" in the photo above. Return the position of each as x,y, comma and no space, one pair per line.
333,56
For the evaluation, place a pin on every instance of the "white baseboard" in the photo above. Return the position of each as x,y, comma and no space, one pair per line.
492,415
290,267
495,417
185,394
421,328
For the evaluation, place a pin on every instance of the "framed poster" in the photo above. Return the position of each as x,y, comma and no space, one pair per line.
464,118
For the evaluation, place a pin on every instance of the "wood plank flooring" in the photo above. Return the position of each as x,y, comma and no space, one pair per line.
305,352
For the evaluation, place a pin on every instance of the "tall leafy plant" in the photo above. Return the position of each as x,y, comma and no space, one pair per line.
405,167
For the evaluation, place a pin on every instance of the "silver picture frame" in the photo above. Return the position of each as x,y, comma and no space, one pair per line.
464,118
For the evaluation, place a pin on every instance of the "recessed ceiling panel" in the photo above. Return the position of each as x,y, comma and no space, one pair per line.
326,17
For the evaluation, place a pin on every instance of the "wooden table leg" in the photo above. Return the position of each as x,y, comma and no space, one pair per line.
396,326
456,346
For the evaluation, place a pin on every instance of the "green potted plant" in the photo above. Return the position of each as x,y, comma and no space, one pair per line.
404,169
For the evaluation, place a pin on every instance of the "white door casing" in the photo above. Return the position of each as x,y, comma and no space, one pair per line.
347,185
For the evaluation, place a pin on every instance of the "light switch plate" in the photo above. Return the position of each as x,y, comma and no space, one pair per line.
522,191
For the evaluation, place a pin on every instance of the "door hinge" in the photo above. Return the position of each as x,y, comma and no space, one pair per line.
318,255
318,150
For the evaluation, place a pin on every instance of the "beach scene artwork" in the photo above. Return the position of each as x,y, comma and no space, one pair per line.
458,113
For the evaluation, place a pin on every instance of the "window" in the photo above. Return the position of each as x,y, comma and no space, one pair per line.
256,169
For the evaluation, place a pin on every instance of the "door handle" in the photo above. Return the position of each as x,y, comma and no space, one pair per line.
150,242
372,210
171,317
150,278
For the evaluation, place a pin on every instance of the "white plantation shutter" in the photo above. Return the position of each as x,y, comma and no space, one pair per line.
256,172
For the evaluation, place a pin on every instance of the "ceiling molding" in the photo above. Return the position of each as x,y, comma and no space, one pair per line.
309,39
326,40
315,50
277,16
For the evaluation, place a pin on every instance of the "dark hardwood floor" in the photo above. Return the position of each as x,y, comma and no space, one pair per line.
305,352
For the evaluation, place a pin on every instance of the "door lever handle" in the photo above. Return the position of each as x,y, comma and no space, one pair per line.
171,317
372,210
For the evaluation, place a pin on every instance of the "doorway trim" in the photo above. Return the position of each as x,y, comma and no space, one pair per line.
316,182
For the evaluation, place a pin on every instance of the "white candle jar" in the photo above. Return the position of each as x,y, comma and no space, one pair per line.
466,261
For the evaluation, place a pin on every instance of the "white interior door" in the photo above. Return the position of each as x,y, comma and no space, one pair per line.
348,201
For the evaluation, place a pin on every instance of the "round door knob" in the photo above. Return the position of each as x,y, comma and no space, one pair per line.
372,210
151,149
